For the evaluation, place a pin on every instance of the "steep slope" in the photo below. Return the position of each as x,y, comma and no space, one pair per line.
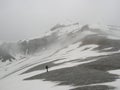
61,36
77,55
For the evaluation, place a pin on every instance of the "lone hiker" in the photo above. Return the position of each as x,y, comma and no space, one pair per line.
46,68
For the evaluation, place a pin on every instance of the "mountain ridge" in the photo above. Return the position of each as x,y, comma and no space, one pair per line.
59,36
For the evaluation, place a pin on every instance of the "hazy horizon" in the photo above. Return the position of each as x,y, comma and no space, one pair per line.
25,19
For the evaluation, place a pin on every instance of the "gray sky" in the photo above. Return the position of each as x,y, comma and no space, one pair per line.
22,19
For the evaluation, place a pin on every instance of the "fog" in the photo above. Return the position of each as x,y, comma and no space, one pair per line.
25,19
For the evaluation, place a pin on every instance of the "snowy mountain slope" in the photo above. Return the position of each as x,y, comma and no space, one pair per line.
60,37
71,51
63,37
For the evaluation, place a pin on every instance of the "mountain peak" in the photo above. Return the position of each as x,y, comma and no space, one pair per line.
57,26
59,36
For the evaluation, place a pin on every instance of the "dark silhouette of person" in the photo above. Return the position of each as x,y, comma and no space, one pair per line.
46,68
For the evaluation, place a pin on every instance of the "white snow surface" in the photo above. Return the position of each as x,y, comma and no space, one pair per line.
68,29
115,83
14,81
75,52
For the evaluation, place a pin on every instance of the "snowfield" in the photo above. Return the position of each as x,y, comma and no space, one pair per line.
117,82
16,83
15,80
19,84
63,54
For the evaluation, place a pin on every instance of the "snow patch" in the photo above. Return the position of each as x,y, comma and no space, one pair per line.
116,83
82,52
68,29
16,83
